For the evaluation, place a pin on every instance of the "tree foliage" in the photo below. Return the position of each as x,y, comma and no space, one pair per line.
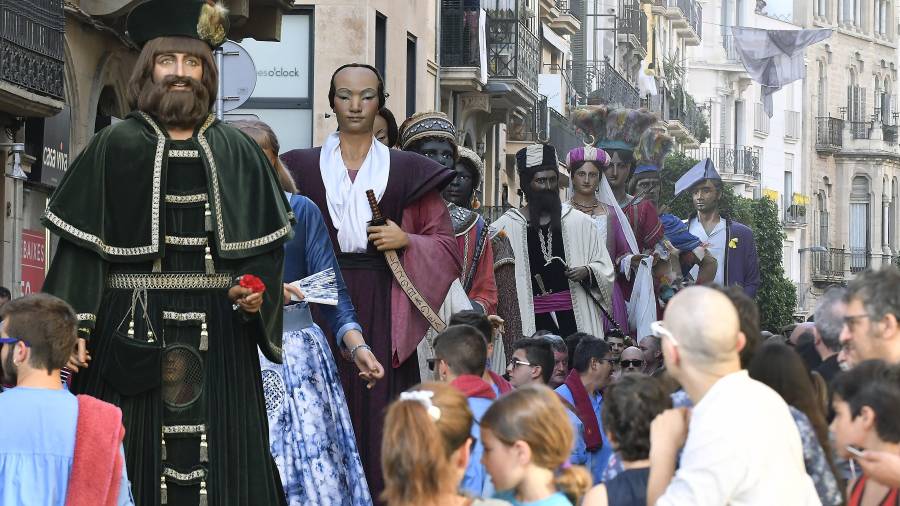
776,296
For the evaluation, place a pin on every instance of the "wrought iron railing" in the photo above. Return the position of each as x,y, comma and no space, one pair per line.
731,52
861,129
459,35
513,52
694,14
829,133
889,133
31,45
683,108
534,127
794,214
730,159
859,259
605,85
828,265
563,136
632,21
792,124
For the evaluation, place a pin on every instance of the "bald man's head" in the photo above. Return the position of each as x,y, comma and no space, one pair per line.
705,325
632,359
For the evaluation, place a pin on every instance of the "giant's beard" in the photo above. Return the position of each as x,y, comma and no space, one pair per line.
544,202
180,109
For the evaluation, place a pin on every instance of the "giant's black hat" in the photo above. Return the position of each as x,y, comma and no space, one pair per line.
198,19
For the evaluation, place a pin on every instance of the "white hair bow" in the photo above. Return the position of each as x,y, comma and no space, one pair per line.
423,397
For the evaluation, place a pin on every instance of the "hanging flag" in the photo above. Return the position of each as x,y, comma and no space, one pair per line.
774,58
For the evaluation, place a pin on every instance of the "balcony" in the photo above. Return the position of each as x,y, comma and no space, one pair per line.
861,129
565,23
828,266
792,125
795,211
31,57
460,58
687,19
738,164
686,121
632,26
530,128
860,259
604,85
829,135
513,56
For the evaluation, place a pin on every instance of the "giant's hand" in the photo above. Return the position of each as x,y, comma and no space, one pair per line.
80,356
248,301
388,237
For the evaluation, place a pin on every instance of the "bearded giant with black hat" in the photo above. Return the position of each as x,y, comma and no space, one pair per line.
563,269
153,223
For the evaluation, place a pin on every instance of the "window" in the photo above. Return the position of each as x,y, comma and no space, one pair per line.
822,205
790,212
381,43
822,90
821,8
859,224
892,218
410,75
760,120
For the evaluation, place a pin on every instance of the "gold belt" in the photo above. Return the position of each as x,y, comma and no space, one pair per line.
169,281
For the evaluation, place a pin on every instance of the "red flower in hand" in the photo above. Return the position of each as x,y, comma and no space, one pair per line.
253,283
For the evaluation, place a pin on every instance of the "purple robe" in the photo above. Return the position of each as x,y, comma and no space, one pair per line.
390,323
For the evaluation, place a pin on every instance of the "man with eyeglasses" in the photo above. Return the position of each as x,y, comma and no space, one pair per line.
872,331
531,362
739,443
55,448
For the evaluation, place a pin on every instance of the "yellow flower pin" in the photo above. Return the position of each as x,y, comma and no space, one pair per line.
733,243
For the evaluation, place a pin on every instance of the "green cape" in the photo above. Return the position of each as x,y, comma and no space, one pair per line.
103,202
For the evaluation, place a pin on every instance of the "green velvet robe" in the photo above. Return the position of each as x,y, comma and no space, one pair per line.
181,219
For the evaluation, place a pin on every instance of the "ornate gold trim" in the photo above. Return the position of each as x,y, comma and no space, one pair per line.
184,429
168,281
184,153
184,317
186,199
185,241
168,472
217,201
86,317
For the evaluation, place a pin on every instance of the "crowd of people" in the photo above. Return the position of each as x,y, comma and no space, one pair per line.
340,325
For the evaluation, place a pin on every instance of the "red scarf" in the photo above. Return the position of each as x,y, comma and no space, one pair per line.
97,463
473,386
504,386
585,411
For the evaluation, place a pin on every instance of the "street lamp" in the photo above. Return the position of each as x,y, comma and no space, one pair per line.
17,149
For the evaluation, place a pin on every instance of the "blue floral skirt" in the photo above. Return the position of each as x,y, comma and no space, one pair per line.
310,432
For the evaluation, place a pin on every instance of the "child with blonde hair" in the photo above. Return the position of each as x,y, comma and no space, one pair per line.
527,442
425,448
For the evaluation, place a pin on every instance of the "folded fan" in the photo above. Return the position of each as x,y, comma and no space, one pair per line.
318,288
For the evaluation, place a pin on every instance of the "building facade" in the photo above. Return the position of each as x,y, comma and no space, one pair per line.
851,91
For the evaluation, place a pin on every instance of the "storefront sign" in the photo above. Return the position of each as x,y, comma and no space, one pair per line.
54,156
34,261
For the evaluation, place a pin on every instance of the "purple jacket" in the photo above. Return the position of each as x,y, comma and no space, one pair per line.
741,262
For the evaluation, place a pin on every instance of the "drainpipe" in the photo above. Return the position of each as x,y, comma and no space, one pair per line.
437,55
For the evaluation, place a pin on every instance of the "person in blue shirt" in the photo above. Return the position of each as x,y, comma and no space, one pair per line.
459,358
44,454
593,368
